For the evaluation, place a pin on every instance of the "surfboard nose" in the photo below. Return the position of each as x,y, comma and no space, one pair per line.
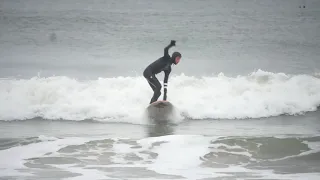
160,111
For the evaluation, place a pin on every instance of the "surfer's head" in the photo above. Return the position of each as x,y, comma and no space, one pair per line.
176,56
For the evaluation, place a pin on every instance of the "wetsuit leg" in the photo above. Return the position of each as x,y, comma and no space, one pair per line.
154,84
157,89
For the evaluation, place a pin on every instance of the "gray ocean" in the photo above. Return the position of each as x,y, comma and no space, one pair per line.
246,91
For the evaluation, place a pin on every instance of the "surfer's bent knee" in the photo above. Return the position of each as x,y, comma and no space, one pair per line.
158,92
159,88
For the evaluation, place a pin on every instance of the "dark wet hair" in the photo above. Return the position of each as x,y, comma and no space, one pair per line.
175,54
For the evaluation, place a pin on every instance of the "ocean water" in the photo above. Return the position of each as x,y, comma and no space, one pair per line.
246,92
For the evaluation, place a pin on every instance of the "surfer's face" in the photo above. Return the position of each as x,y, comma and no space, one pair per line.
177,60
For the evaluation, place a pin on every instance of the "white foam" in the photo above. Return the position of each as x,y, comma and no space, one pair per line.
47,138
216,148
177,155
14,158
124,99
180,155
85,173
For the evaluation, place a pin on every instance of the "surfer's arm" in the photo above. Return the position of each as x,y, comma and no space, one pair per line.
166,49
165,83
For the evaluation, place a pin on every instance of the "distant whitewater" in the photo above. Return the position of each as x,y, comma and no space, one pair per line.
124,99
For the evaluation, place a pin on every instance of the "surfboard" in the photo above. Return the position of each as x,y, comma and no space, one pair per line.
160,104
160,111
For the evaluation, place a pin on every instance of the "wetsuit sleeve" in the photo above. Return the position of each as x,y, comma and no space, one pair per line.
165,82
166,49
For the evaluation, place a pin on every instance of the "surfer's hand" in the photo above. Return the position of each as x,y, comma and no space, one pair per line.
173,43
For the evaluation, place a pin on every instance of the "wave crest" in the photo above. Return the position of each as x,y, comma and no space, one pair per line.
124,99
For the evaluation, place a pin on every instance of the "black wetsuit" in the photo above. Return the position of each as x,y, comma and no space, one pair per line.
162,64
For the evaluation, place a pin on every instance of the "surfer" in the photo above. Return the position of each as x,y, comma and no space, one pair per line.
162,64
